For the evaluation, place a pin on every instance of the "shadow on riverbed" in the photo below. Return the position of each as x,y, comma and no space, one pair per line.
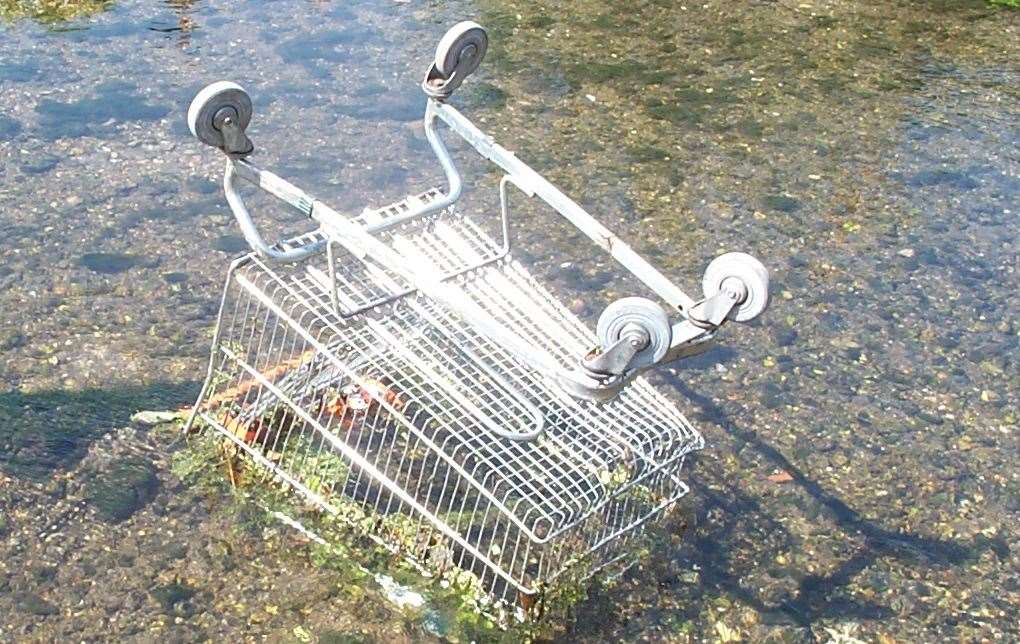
735,550
738,515
45,431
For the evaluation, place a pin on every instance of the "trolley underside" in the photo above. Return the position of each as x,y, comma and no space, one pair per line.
378,404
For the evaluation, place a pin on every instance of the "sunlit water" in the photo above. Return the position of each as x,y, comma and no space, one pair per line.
867,152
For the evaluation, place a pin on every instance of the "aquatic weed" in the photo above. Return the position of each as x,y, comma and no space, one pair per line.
51,11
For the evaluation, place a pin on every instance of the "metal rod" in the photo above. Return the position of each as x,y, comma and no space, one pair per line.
532,182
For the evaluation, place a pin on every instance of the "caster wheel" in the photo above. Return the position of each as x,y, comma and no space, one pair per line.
208,103
640,312
465,44
751,273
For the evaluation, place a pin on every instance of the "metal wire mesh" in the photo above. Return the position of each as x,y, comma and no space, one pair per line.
379,405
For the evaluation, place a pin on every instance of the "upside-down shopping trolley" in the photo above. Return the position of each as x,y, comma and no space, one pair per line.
399,369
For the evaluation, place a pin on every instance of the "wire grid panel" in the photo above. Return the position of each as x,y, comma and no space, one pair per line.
386,417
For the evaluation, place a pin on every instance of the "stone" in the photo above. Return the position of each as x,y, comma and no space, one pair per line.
123,489
36,605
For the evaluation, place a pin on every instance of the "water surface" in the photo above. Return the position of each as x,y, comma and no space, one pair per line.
867,152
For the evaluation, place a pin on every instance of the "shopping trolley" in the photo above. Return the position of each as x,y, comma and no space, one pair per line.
402,372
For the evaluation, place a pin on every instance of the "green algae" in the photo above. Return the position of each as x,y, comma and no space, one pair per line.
484,95
781,203
350,535
35,604
647,153
674,113
592,73
51,11
124,488
540,21
171,596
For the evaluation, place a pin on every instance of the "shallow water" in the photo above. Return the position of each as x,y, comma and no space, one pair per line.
867,152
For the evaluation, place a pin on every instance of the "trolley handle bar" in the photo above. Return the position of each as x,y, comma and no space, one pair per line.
303,202
277,187
535,185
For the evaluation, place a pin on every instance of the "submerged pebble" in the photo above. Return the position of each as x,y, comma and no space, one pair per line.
109,263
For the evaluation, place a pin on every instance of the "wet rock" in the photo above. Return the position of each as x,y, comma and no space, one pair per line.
127,553
12,341
486,96
784,336
772,396
955,179
123,489
579,307
340,637
389,176
201,185
781,203
170,596
34,604
39,163
9,127
230,244
154,417
109,263
18,71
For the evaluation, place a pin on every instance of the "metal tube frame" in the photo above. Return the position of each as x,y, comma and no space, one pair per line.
359,240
